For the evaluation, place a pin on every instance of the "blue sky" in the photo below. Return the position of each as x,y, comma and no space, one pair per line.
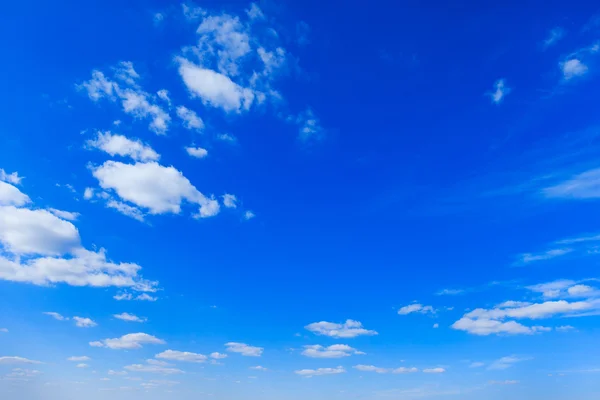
292,200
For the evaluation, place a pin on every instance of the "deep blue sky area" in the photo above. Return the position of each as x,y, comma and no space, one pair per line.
291,200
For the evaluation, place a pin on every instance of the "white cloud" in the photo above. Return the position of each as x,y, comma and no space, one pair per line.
129,317
11,196
416,308
229,201
192,12
552,289
218,356
134,100
565,328
190,119
78,358
244,349
129,296
573,68
24,231
84,322
155,369
348,329
506,382
115,144
434,370
547,255
174,355
506,362
157,188
13,177
254,12
120,373
259,368
501,90
484,327
88,193
310,126
333,351
56,316
126,209
226,137
82,365
371,368
554,36
164,95
579,290
145,297
127,342
215,89
248,215
7,360
435,326
70,216
321,371
450,292
585,185
197,152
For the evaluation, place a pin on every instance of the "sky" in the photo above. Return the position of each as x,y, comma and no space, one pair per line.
299,200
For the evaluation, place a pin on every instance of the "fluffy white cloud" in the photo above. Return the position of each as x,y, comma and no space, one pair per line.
127,342
532,311
333,351
580,290
157,188
145,297
416,308
115,144
500,91
484,327
126,209
13,177
70,216
434,370
190,119
186,356
321,371
229,201
56,316
11,196
254,12
552,289
248,215
573,68
151,368
197,152
259,368
84,322
215,89
218,356
78,358
129,317
348,329
134,100
244,349
7,360
506,362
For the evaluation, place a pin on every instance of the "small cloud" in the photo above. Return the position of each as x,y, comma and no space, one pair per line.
434,370
84,322
450,292
506,362
476,364
70,216
226,137
82,365
416,308
248,215
506,382
13,177
501,90
158,18
565,328
56,316
254,12
244,349
573,68
129,317
78,358
259,368
435,326
554,36
229,200
321,371
196,152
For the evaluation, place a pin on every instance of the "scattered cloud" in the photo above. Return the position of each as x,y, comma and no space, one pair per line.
84,322
129,317
244,349
434,370
435,326
56,316
333,351
506,362
69,216
153,368
79,358
416,308
554,36
321,371
11,196
527,258
128,342
115,144
259,368
13,177
229,201
248,215
310,127
9,360
476,364
506,382
379,370
254,12
3,330
190,119
218,356
573,68
500,91
196,152
349,329
174,355
450,292
565,328
82,365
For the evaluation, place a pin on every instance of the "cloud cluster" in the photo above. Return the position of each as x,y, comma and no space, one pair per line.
348,329
244,349
128,342
333,351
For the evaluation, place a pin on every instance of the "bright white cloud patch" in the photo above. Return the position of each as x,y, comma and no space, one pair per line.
115,144
379,370
84,322
217,355
230,201
416,308
244,349
333,351
547,255
348,329
13,177
82,365
196,152
321,371
248,215
173,355
11,196
126,209
573,68
56,316
585,185
500,91
78,358
128,342
129,317
190,119
434,370
69,216
154,187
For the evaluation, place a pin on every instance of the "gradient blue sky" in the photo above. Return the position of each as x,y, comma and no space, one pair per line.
298,200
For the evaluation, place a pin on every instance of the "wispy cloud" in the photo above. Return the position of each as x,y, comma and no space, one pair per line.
554,36
500,91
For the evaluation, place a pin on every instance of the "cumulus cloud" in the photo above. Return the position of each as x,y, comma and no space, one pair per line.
321,371
128,342
56,316
573,68
333,351
129,317
416,308
348,329
12,196
84,322
190,119
69,216
217,355
13,177
230,201
115,144
258,368
244,349
500,91
248,215
196,152
186,356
